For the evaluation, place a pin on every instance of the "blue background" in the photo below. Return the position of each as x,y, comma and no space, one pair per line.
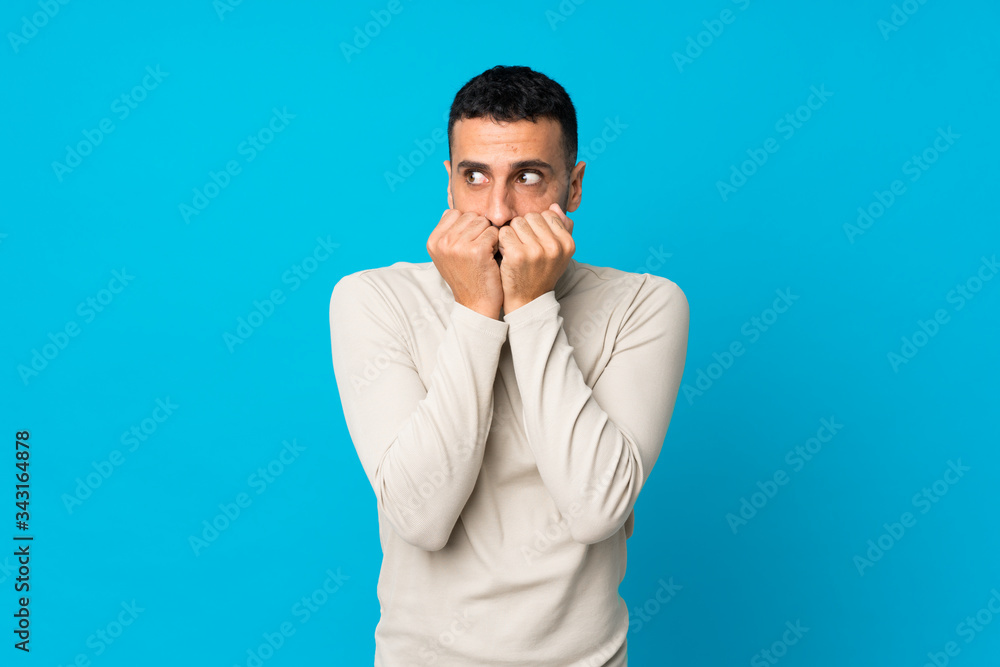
358,116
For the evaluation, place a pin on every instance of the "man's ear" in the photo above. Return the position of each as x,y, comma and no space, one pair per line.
575,187
447,167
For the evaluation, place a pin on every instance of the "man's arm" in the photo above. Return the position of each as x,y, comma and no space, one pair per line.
595,448
421,448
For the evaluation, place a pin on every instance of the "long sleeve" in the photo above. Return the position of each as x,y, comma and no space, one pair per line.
421,447
595,448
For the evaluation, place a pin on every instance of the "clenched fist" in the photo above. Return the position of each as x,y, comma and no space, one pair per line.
462,247
536,249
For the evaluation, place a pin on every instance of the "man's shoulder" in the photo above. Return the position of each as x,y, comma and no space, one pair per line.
603,279
396,272
400,279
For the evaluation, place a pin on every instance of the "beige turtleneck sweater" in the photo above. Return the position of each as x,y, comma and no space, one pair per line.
506,457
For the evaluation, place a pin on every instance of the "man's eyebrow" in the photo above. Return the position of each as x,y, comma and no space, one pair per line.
521,164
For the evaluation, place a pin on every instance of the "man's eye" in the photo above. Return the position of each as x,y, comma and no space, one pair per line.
469,174
532,178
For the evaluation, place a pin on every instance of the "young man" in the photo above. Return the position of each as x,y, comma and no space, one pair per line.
506,401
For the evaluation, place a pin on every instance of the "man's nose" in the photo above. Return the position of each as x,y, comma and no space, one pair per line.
499,209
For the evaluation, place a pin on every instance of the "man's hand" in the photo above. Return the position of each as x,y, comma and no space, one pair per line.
536,249
462,247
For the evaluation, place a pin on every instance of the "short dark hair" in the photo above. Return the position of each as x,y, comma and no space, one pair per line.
508,94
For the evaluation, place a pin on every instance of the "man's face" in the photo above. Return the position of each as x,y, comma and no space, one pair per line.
505,170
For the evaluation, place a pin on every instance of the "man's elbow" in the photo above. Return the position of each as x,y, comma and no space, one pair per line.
425,537
604,513
414,521
426,540
594,527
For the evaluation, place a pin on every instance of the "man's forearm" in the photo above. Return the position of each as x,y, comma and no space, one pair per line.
430,469
594,448
421,448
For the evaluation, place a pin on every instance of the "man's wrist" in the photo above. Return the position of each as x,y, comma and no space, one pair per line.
486,311
531,310
516,303
492,325
513,305
493,314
